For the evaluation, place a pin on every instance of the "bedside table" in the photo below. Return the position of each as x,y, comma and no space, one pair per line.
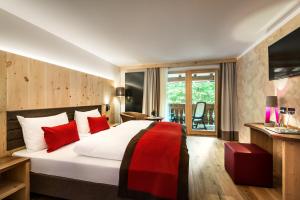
14,178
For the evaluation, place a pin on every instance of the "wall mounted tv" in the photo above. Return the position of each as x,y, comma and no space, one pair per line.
284,57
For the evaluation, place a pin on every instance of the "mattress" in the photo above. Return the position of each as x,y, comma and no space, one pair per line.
64,162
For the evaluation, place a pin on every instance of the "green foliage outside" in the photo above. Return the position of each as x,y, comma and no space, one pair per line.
201,91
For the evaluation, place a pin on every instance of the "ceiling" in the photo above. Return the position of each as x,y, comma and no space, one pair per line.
134,32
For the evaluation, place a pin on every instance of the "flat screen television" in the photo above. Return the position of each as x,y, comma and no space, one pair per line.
284,57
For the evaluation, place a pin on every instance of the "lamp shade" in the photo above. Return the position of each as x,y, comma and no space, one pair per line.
271,101
120,91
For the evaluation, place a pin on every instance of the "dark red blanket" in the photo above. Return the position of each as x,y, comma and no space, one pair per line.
155,164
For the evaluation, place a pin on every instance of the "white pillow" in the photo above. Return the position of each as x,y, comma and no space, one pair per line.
82,121
32,129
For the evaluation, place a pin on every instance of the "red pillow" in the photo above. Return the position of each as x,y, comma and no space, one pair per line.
61,135
98,124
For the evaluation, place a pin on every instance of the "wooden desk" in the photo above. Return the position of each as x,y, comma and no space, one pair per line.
285,149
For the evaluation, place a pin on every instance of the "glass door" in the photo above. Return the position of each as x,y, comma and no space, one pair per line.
202,101
176,97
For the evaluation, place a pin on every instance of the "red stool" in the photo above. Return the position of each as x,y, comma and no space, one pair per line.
248,164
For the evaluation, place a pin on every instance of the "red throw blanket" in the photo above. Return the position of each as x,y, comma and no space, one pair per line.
155,164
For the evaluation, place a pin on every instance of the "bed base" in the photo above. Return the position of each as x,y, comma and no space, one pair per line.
67,188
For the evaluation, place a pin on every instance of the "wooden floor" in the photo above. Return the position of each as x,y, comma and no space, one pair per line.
208,178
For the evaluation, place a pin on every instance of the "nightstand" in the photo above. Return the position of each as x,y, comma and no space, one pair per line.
14,178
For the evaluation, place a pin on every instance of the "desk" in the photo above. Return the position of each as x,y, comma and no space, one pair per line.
285,149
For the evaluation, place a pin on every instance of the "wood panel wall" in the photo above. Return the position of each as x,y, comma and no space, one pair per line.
2,104
26,83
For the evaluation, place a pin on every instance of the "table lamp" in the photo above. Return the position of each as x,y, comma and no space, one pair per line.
271,107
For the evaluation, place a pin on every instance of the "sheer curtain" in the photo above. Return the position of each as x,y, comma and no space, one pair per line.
163,107
151,100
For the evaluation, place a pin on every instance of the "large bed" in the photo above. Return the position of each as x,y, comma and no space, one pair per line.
68,174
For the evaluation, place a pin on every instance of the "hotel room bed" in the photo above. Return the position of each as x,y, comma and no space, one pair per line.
64,162
65,173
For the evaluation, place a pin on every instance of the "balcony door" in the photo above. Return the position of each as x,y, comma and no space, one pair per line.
193,100
202,102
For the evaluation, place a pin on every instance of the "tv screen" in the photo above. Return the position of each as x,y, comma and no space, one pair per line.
284,57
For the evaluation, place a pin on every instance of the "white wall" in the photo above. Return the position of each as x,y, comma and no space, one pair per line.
23,38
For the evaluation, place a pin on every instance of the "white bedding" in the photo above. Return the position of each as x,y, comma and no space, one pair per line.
110,144
64,162
94,158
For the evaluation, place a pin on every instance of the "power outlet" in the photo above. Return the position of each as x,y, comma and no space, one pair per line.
291,111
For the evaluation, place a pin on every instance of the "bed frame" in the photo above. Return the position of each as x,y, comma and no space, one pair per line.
56,186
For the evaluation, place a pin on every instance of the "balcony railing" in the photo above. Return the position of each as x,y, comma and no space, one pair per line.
177,113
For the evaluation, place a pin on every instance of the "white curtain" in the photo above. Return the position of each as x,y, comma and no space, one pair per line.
163,107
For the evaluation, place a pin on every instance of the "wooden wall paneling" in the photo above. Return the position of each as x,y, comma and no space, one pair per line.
89,89
75,88
2,133
27,84
2,103
17,81
84,88
58,80
99,91
107,97
108,92
96,91
37,84
2,81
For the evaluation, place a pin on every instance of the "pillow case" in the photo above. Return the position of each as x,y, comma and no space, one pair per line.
61,135
82,121
98,124
32,129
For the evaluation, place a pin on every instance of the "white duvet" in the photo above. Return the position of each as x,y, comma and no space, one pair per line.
111,143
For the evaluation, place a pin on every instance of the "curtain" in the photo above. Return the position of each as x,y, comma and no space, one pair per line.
151,100
228,117
163,107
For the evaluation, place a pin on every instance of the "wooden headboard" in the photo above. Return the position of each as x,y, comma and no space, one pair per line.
14,130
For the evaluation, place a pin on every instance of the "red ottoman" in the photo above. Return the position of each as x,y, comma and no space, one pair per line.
248,164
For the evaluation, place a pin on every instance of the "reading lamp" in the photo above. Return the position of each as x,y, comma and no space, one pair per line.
271,106
120,92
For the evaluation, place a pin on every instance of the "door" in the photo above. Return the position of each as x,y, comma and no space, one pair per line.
202,102
176,97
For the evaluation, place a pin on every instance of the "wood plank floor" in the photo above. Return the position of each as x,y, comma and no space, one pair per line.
208,179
